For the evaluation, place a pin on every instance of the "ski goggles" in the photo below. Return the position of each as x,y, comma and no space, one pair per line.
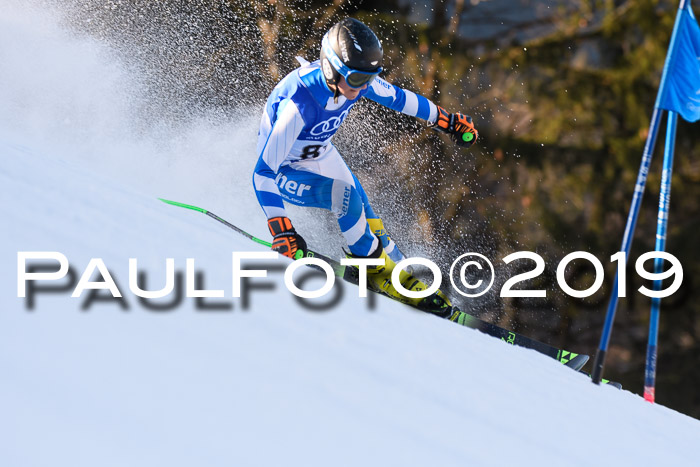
354,78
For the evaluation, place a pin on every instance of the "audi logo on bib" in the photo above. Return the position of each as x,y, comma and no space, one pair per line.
330,125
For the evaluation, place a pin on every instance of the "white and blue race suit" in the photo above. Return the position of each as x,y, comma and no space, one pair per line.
299,164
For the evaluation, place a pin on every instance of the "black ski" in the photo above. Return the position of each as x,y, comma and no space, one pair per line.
350,274
570,359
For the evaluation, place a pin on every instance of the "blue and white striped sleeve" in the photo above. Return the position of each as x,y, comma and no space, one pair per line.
278,140
402,100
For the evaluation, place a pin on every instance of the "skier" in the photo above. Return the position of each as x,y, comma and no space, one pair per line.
299,164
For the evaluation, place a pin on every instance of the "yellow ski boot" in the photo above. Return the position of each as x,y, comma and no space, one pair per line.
379,280
392,250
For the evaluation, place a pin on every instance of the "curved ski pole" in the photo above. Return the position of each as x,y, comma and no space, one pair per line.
300,254
223,221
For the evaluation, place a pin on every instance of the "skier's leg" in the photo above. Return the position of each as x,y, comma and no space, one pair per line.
381,276
377,226
312,189
327,183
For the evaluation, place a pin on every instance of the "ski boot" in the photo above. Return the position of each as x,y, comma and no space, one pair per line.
379,280
392,250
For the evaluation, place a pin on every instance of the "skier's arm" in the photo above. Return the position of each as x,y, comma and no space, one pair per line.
402,100
278,141
458,126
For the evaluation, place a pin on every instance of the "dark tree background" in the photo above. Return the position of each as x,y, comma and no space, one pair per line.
561,92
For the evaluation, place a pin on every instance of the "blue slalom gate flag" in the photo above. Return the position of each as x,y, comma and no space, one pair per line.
680,83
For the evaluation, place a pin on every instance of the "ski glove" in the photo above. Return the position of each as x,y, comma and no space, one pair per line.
286,240
458,126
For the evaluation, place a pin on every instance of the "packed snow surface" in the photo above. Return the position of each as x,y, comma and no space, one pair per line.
114,383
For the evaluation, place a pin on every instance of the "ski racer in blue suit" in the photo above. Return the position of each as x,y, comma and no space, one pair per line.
299,164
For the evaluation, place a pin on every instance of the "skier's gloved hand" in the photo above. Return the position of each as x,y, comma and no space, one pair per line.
286,240
458,126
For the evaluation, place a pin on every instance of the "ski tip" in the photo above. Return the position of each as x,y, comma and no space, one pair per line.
614,384
606,382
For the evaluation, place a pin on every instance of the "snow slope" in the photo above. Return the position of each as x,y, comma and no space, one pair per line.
274,385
